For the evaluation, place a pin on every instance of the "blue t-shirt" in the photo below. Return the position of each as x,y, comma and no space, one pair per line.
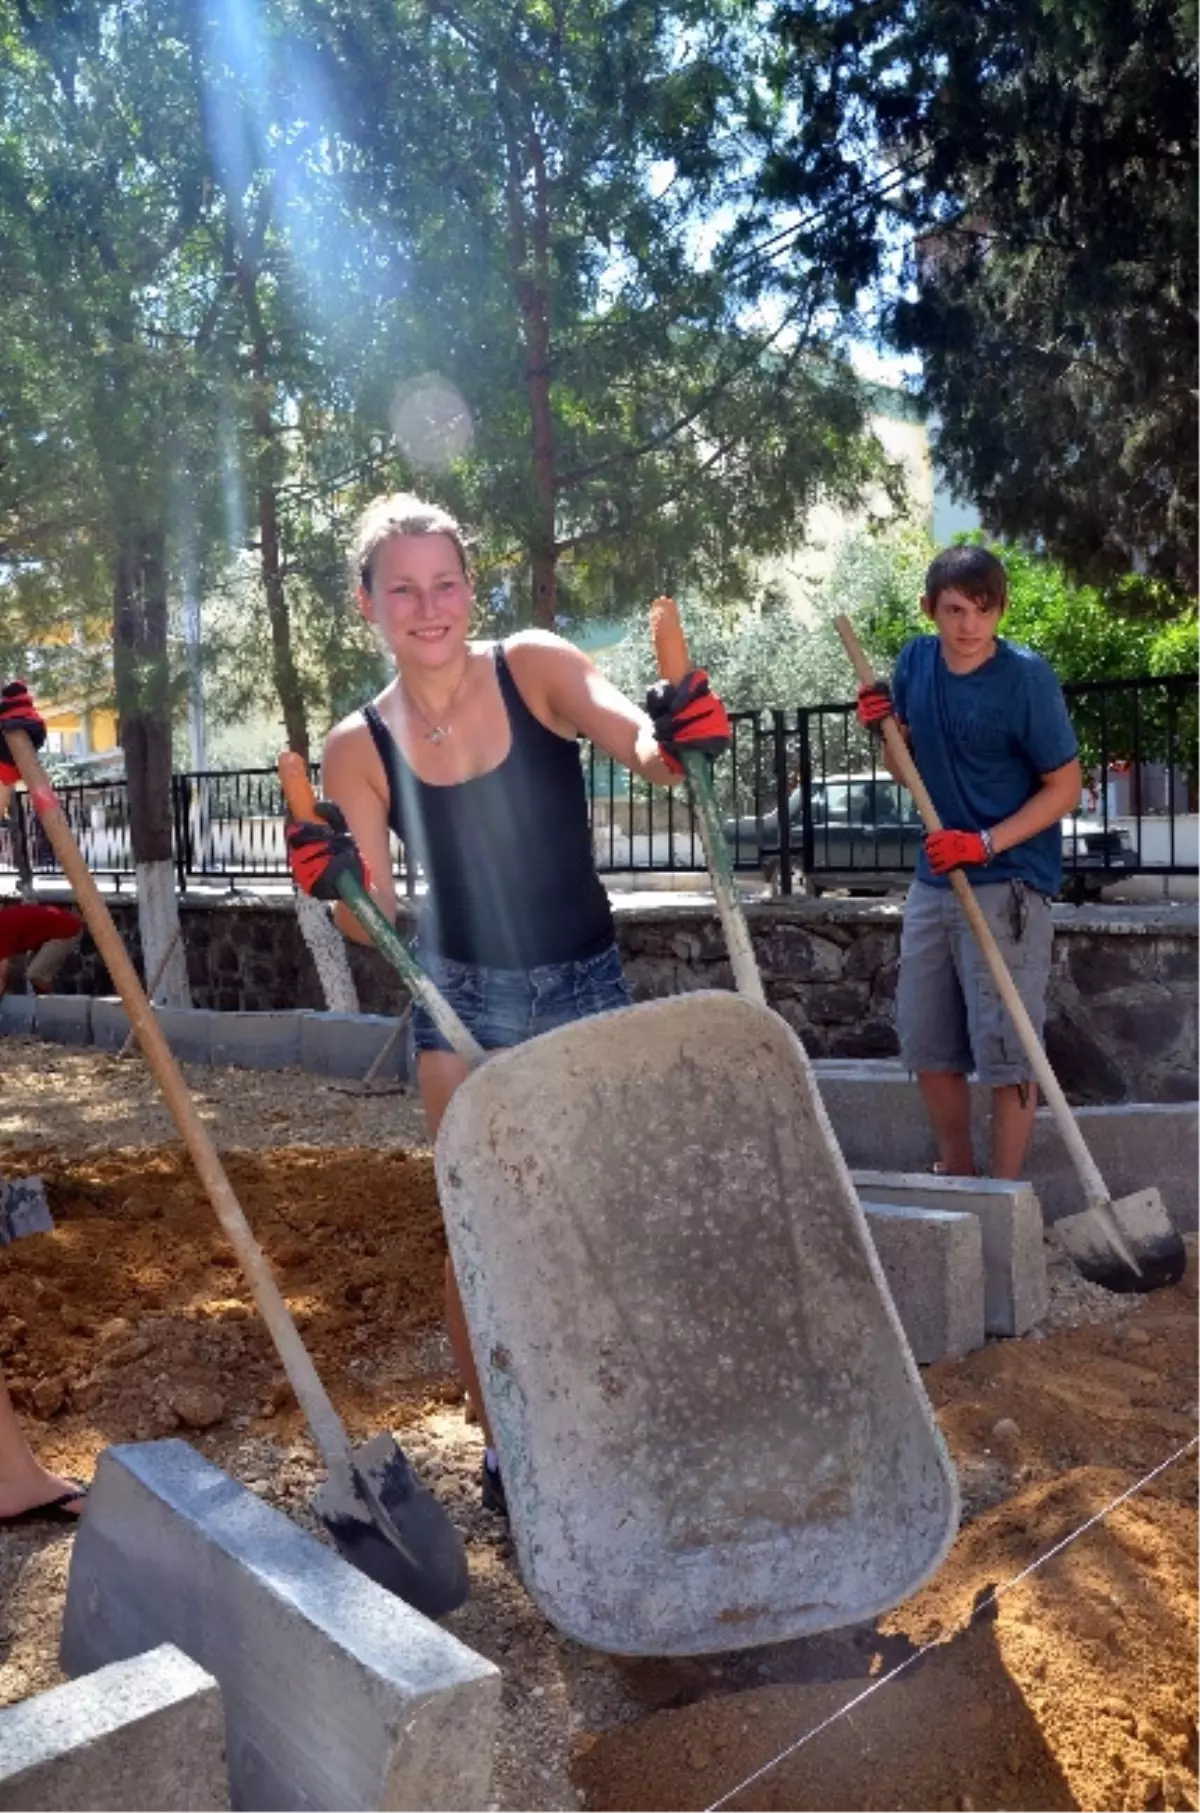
982,742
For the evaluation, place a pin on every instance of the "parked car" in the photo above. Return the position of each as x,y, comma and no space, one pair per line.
867,834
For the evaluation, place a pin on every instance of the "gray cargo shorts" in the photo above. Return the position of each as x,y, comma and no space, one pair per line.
949,1015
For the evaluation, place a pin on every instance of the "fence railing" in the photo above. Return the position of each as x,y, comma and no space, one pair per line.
803,796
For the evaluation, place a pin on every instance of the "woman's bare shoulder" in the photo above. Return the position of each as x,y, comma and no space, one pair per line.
350,754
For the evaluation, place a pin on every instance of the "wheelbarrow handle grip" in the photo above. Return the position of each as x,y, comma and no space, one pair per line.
670,643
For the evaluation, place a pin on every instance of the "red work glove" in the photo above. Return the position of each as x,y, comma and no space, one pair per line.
948,850
688,716
874,704
318,855
18,712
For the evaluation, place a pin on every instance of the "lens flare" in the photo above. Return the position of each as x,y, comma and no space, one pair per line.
431,422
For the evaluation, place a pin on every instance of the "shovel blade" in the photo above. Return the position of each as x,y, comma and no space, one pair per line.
1145,1232
391,1528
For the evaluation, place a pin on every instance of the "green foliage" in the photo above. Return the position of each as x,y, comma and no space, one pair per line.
1038,158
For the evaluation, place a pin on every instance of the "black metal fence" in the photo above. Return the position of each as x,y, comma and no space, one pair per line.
803,796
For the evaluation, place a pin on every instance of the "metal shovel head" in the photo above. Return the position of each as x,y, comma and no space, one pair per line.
393,1529
1143,1230
710,1425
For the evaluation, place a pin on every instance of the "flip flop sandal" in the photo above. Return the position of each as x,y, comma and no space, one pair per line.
939,1170
53,1511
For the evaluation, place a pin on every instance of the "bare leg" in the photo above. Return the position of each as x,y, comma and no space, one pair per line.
439,1074
24,1482
947,1098
1013,1106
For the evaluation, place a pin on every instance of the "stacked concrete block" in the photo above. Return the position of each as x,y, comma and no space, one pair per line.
63,1019
933,1262
346,1045
336,1694
256,1041
143,1733
1015,1288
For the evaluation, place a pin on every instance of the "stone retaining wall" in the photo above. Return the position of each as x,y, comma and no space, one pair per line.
1123,998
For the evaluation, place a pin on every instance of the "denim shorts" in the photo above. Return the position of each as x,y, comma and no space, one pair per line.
949,1015
507,1006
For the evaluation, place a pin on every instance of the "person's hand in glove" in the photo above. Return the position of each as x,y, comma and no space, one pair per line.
18,712
688,716
874,704
319,854
946,850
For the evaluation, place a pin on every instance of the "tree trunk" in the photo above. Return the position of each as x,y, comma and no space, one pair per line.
266,478
142,675
529,258
283,662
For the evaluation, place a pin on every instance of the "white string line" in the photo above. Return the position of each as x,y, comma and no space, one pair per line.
982,1606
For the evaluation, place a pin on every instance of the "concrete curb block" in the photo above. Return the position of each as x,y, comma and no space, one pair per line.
63,1019
346,1045
16,1015
322,1044
110,1023
256,1041
881,1125
139,1734
1016,1293
189,1032
933,1262
336,1694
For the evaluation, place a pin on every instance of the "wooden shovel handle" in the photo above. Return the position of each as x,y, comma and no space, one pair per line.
670,643
298,790
901,757
323,1419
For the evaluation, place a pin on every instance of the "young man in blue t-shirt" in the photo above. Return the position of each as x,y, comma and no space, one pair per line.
988,728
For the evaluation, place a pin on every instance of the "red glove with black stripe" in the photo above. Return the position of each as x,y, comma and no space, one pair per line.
874,704
688,716
320,854
946,850
18,712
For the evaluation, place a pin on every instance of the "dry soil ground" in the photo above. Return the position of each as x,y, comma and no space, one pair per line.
1078,1689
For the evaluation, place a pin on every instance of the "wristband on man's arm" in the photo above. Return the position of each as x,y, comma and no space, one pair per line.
985,837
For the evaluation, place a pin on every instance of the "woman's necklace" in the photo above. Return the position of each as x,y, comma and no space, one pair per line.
436,733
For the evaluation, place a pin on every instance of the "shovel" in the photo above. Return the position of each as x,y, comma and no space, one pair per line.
1127,1245
379,1515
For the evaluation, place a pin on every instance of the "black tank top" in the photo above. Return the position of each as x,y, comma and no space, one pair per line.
507,856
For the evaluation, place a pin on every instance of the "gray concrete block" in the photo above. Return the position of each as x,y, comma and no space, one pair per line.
933,1262
257,1041
1015,1289
336,1694
346,1045
110,1023
881,1124
189,1031
63,1019
16,1015
143,1733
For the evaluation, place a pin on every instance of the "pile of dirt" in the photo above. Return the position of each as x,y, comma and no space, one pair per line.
1077,1687
132,1320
